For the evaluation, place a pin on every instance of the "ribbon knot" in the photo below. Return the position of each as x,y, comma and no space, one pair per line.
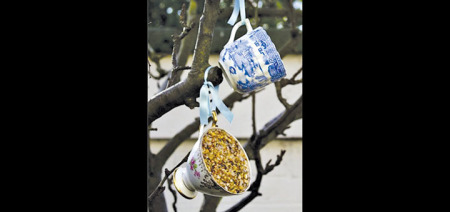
239,5
205,106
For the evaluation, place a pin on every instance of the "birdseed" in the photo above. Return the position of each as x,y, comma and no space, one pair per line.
226,161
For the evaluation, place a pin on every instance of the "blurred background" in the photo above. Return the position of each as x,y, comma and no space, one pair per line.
281,188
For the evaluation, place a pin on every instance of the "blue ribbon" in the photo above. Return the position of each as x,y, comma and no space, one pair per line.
205,106
238,5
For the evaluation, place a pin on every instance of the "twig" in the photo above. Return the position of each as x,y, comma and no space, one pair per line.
253,114
256,145
188,43
291,13
160,187
177,41
282,100
279,85
291,43
270,167
156,59
181,68
262,12
275,126
292,81
174,75
174,193
254,188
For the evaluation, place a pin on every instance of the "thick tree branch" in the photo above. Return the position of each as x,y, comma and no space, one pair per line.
204,39
175,95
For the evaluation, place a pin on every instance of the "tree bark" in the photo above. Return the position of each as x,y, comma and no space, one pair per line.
188,43
178,94
276,126
210,203
154,177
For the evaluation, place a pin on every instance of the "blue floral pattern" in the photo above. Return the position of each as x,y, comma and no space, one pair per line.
248,57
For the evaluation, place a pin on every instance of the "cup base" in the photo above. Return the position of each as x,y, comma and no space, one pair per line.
181,187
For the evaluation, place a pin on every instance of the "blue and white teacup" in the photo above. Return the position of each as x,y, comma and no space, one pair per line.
252,61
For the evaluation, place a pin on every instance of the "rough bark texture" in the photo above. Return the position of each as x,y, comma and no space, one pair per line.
178,94
188,43
154,177
210,203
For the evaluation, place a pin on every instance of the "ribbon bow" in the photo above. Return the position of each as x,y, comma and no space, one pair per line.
206,107
238,5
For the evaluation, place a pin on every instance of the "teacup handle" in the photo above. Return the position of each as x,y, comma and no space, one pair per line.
235,28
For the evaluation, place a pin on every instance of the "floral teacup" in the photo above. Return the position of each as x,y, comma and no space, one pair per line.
194,176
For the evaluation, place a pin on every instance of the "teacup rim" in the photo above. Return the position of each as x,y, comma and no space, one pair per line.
246,34
245,153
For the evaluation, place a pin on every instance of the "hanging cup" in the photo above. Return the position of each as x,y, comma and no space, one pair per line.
252,61
193,176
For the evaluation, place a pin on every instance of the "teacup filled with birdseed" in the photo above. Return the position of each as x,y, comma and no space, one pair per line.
226,160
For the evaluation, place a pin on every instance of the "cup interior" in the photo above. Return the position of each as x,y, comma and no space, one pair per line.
225,160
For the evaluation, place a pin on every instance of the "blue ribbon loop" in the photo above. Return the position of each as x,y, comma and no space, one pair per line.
205,106
239,5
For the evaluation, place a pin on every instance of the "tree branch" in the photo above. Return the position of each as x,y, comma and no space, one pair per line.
294,39
167,173
175,95
262,12
156,59
204,39
191,128
292,81
188,43
174,77
283,101
210,203
276,126
174,193
279,85
253,114
270,167
254,188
